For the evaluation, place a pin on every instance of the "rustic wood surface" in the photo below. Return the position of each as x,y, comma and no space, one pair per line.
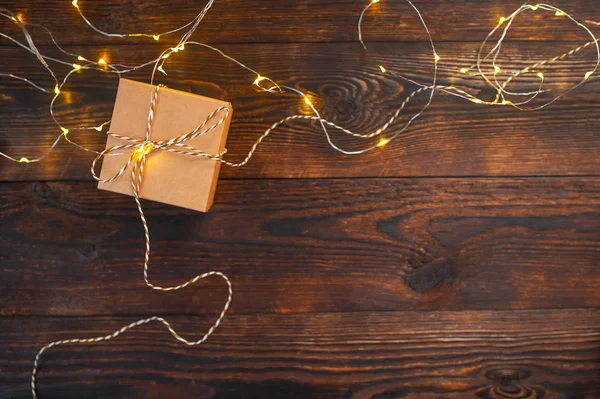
461,261
268,21
307,246
412,355
454,137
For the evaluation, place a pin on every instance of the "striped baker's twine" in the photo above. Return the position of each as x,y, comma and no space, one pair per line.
141,150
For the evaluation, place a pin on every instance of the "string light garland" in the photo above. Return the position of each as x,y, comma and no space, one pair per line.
485,67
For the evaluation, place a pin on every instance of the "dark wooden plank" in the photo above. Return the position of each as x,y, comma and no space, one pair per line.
295,246
453,138
412,355
246,21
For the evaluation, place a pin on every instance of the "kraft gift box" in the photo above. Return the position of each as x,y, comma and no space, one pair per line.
171,178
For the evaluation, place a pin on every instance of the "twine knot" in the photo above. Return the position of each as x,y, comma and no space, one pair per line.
145,148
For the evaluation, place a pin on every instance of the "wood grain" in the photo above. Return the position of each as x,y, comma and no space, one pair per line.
302,246
550,354
453,138
461,261
246,21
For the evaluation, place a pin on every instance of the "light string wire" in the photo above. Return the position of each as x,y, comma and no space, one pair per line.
273,87
141,149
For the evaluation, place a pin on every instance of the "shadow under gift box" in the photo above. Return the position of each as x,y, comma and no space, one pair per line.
171,178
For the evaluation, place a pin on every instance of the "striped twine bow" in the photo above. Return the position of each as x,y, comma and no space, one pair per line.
141,149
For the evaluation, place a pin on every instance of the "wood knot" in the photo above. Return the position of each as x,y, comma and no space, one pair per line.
507,385
345,107
434,274
89,251
42,190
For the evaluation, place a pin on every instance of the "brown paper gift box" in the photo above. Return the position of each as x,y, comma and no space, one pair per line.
176,179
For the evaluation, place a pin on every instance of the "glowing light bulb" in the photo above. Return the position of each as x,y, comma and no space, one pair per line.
156,37
80,58
501,20
65,131
534,8
76,67
181,48
56,90
506,102
101,61
75,4
161,69
436,57
14,19
374,1
307,101
99,128
258,80
496,69
24,160
477,101
382,142
587,75
559,13
465,70
382,68
540,75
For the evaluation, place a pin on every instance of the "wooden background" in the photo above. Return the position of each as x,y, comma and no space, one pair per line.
462,261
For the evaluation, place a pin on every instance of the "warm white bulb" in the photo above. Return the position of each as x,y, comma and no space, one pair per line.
382,142
258,80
